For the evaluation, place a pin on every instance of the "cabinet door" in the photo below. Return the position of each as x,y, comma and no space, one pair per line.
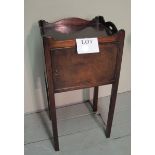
74,71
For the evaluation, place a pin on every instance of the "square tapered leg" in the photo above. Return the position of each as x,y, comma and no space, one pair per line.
54,122
95,99
111,108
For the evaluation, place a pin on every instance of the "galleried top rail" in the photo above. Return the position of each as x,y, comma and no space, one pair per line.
71,28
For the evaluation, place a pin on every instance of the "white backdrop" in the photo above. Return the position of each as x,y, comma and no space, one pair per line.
52,10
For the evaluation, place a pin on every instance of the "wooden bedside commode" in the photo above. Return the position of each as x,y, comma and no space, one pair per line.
67,70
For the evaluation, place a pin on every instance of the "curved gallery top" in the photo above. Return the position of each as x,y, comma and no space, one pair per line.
72,28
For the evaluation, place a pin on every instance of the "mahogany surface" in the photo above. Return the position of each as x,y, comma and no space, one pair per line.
75,71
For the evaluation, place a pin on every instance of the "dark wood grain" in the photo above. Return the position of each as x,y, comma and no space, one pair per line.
115,87
47,94
95,98
51,93
72,70
67,70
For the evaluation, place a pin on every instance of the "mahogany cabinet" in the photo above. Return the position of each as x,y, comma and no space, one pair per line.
67,70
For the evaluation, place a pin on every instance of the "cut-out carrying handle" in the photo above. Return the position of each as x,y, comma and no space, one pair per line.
109,26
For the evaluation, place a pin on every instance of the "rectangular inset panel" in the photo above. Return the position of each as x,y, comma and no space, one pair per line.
72,70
